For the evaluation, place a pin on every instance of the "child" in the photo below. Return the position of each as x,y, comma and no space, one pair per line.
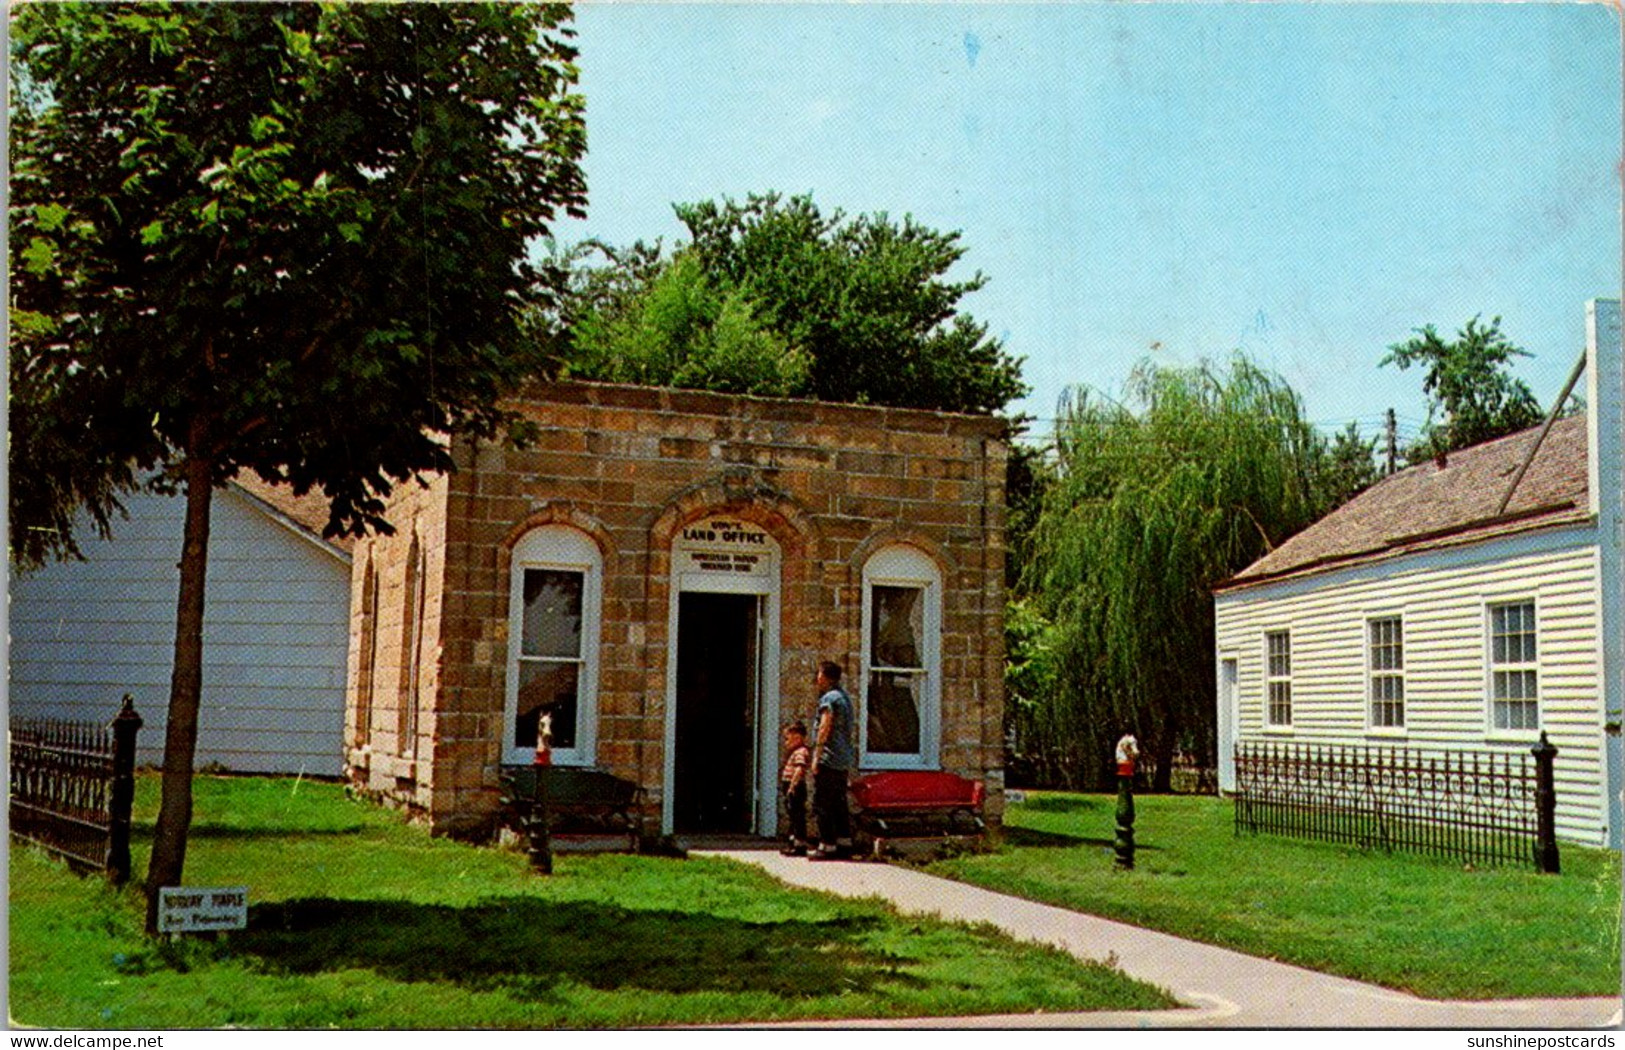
793,785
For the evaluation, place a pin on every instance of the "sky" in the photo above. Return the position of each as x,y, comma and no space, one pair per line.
1163,181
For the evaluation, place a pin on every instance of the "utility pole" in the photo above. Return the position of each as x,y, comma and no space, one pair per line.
1392,441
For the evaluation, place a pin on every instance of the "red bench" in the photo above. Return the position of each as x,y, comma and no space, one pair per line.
916,804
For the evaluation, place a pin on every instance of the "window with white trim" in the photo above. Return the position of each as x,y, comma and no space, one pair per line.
902,628
1514,676
1385,669
1278,677
406,711
555,593
367,655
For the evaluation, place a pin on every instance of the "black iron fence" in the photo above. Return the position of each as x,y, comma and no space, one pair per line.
72,787
1478,807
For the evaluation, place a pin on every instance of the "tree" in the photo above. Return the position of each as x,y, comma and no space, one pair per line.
282,237
681,329
1153,502
1347,468
1466,384
772,296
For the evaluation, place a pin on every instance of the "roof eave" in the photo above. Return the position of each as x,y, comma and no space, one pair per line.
1552,517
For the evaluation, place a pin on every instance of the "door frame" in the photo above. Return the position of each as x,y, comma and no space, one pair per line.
1229,706
765,819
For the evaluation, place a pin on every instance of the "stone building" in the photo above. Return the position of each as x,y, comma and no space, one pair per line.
659,574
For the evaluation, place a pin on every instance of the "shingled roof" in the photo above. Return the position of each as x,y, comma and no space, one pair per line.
308,513
1430,506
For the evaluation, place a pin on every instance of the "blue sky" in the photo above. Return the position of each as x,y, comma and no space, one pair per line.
1307,183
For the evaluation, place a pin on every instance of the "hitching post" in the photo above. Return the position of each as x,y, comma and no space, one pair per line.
1545,807
122,795
540,829
1127,750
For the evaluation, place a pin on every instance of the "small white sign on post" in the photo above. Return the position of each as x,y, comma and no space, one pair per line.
193,909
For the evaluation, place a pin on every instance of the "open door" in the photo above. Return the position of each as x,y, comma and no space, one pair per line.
718,713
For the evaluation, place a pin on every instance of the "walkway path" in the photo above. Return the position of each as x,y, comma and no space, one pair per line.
1221,988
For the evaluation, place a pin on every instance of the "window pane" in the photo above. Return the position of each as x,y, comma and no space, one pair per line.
1518,714
1514,685
550,688
1280,708
552,613
894,712
897,626
1387,651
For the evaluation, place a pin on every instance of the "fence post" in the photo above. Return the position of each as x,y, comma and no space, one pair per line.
122,795
1545,807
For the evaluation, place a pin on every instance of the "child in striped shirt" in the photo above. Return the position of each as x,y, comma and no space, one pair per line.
793,786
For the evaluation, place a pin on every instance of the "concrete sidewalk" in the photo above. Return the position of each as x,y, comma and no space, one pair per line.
1221,988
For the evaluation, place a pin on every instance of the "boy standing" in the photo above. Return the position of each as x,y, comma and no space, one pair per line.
793,785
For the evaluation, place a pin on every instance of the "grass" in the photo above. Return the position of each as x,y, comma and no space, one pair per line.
1427,926
358,920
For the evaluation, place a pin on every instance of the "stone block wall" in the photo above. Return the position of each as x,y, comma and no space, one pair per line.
630,466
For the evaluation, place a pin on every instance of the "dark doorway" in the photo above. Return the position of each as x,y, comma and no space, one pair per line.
717,652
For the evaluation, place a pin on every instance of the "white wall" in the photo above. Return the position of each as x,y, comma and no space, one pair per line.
1441,596
275,636
1605,401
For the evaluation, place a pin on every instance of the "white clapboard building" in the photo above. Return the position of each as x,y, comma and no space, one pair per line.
84,633
1425,614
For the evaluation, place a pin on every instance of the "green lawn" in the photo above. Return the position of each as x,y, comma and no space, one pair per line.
359,920
1431,927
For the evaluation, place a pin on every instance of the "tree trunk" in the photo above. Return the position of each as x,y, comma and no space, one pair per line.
1162,782
186,683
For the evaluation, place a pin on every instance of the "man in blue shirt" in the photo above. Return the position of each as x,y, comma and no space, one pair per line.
833,759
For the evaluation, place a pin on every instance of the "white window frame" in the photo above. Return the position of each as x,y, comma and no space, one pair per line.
905,566
1271,680
1492,702
559,548
1376,675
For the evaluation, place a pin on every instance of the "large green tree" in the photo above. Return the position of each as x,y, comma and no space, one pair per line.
1471,399
285,237
773,296
1151,502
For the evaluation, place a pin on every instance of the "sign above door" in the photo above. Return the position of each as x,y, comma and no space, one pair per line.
725,546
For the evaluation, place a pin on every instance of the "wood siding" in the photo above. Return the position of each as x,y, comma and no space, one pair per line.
1443,599
85,633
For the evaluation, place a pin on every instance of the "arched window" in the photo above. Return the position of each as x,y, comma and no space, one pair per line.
367,656
555,591
406,713
902,660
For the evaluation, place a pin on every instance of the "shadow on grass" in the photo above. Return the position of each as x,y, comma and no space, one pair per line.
1033,838
145,832
1066,804
526,947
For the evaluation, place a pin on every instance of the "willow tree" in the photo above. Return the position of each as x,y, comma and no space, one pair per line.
1153,500
282,237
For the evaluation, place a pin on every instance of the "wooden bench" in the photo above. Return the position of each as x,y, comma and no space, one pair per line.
916,804
577,801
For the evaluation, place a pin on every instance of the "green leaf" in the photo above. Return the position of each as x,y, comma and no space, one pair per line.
264,127
50,216
39,257
152,232
350,231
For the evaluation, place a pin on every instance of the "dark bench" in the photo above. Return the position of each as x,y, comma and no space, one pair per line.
916,804
577,801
